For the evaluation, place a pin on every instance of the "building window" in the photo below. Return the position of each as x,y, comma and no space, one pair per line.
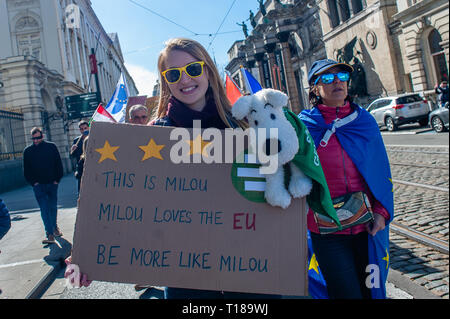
342,10
438,56
28,37
412,2
357,6
334,15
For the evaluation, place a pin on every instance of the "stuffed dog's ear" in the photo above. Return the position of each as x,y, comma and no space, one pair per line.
241,107
277,98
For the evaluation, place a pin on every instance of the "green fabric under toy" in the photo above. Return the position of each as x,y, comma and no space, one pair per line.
307,160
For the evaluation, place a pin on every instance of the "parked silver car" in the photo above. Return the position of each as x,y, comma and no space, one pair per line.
394,111
439,119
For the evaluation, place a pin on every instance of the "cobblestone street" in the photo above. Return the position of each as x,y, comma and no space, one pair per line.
424,210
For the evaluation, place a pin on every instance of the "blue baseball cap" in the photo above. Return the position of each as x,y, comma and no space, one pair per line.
321,66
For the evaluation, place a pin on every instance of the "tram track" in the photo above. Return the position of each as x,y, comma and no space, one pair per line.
422,165
419,231
406,231
427,240
436,188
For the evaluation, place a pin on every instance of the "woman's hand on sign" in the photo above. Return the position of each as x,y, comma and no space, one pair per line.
378,224
74,278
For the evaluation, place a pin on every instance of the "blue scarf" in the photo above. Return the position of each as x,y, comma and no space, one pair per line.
362,141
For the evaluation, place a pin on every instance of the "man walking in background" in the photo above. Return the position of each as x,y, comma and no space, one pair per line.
43,170
77,146
443,93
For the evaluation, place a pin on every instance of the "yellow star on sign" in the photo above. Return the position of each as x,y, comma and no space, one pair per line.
386,259
151,150
198,146
107,151
390,179
313,264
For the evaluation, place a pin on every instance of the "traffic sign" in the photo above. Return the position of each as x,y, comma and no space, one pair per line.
82,105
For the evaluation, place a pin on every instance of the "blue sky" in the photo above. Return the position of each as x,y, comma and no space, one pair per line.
142,33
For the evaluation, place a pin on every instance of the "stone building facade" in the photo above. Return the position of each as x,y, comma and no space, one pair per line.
44,57
394,46
280,49
356,32
420,31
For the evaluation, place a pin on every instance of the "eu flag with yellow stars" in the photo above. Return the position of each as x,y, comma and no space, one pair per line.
117,105
317,287
362,141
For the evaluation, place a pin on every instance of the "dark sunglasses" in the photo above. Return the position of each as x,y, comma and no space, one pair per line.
328,78
36,138
140,117
173,75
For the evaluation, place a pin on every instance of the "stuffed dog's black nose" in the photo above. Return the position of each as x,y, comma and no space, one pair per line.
273,146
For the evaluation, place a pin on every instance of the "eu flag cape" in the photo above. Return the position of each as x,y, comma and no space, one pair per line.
307,160
362,141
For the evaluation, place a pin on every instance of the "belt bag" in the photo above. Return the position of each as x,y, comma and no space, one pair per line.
351,209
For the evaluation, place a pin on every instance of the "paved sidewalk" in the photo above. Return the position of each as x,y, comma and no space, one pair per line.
27,267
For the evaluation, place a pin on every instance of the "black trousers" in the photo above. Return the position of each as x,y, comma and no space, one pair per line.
343,260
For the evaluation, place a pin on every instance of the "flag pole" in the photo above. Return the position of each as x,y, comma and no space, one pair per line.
247,84
231,79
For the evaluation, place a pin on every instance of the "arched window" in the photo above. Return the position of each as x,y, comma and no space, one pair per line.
438,56
28,37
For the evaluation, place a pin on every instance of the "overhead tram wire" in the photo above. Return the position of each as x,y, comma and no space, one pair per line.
163,17
187,29
226,15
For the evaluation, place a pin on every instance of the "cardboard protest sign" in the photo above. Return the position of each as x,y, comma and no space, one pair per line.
144,219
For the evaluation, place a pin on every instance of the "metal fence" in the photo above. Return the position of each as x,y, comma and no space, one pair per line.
12,135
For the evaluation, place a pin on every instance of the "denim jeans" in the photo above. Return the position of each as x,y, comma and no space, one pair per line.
343,260
47,197
182,293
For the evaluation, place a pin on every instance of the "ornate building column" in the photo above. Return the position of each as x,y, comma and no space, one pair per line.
288,71
258,49
259,58
270,45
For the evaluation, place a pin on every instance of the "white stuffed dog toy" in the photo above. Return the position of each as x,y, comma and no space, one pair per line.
265,110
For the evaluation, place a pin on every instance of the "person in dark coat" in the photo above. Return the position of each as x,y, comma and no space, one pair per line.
5,219
77,146
43,170
442,91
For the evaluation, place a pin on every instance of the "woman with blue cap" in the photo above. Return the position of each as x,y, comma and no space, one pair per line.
353,257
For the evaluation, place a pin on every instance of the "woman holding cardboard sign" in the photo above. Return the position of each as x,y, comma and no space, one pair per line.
354,260
191,89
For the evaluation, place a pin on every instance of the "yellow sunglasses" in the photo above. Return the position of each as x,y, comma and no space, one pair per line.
194,70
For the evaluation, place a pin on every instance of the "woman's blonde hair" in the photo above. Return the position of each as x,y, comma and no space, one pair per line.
216,89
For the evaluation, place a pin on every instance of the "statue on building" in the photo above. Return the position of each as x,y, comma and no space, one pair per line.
357,84
262,8
244,28
252,19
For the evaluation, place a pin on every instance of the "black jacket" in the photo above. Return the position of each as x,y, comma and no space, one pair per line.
42,163
443,94
5,219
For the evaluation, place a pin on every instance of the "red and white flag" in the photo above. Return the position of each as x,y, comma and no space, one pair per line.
232,90
102,115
